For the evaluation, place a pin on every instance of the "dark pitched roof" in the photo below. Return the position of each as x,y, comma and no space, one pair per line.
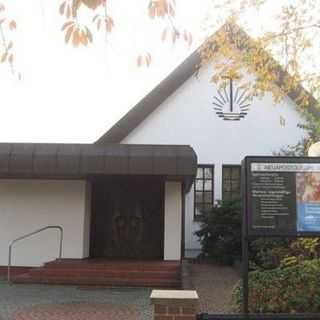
171,83
81,161
151,101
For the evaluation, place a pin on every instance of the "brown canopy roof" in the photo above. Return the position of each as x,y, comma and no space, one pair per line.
78,161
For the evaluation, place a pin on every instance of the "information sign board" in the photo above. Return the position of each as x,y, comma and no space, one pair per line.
282,196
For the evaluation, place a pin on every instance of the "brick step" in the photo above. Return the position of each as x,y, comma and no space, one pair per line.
113,266
139,282
156,274
104,273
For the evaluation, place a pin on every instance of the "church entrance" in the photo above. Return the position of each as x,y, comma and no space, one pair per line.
127,219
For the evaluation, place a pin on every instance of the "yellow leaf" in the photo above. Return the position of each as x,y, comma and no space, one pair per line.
12,25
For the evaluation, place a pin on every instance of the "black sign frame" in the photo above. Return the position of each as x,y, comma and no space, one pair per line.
247,232
248,201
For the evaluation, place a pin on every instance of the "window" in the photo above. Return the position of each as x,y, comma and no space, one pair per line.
231,182
203,189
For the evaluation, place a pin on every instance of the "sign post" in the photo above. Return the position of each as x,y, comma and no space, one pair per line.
281,198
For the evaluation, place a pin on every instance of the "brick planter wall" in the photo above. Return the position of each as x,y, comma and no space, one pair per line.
174,304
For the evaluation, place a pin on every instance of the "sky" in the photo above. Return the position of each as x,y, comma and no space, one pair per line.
74,95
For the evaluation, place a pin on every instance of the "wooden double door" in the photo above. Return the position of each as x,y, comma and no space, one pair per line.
127,220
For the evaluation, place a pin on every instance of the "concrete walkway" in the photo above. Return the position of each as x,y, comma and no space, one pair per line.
41,302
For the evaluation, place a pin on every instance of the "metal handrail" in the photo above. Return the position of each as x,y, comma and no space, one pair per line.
29,235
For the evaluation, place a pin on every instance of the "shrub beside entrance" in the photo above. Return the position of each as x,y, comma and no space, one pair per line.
293,289
220,233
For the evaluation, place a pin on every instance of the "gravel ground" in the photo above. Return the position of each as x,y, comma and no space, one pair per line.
214,285
43,302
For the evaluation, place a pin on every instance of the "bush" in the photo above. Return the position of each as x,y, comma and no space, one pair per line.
291,289
220,232
270,253
267,253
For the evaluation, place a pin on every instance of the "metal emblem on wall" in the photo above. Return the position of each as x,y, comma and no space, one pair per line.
231,103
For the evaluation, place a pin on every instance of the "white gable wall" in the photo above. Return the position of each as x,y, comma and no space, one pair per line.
188,117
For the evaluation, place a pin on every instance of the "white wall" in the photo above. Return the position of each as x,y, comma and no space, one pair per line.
172,221
188,117
26,205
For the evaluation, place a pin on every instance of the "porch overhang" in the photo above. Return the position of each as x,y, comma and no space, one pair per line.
82,161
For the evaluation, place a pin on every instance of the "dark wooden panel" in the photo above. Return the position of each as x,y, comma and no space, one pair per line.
127,219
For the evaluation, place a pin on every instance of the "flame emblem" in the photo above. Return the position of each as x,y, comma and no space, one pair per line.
231,104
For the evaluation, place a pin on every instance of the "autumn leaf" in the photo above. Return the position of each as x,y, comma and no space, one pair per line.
62,7
4,57
67,24
75,6
109,24
83,38
161,8
76,38
68,12
93,4
68,34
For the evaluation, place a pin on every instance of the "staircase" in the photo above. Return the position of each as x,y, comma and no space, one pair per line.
155,274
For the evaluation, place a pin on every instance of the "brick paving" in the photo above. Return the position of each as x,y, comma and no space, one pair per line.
214,285
43,302
78,311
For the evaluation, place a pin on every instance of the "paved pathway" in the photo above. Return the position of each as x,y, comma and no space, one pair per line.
42,302
214,285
